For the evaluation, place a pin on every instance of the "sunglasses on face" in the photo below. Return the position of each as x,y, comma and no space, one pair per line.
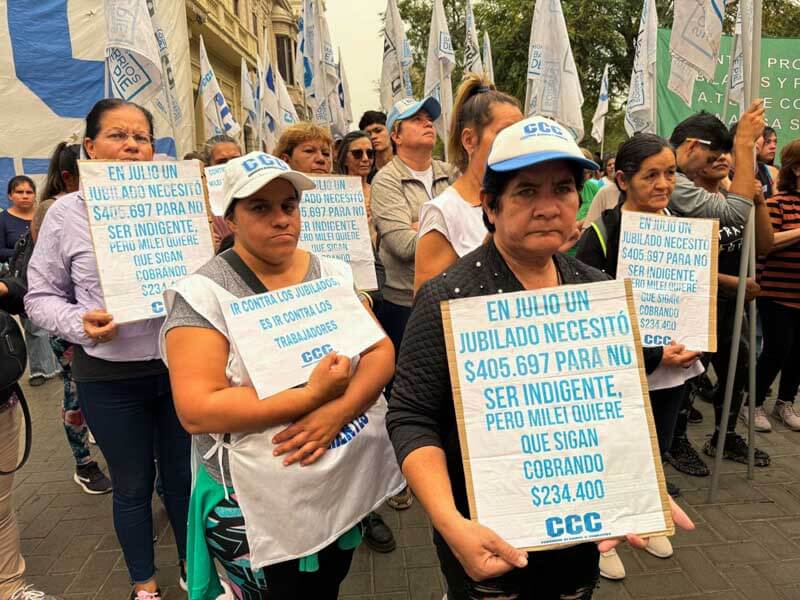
358,153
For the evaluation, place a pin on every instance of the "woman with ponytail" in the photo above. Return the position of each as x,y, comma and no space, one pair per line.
451,225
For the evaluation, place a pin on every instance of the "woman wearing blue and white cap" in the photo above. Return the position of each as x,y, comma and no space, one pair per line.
451,225
288,526
530,199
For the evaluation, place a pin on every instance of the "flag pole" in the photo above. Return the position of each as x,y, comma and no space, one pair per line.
445,117
752,76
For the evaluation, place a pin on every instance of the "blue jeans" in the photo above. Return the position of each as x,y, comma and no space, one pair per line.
41,359
131,420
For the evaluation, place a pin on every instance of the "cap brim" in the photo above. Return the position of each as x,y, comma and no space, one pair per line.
433,107
535,158
299,181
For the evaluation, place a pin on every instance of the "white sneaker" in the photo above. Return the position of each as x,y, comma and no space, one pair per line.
786,412
761,422
28,593
611,566
659,546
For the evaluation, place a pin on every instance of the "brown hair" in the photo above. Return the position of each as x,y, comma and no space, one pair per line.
38,216
790,160
472,108
300,133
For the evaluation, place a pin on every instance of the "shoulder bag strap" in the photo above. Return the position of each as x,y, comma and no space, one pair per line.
245,272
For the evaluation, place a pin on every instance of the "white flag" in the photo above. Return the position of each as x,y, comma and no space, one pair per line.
440,64
248,99
268,112
397,59
696,33
169,95
742,37
308,60
488,62
472,51
553,88
599,118
640,112
327,73
217,117
682,76
288,113
133,62
343,92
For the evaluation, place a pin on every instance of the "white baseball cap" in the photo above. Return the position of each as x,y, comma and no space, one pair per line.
247,174
532,141
408,107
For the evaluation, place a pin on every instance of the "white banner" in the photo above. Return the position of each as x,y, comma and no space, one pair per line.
296,327
215,179
488,61
554,419
52,60
334,224
217,116
696,32
672,265
149,228
599,118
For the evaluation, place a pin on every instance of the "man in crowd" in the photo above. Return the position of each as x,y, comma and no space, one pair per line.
374,123
699,141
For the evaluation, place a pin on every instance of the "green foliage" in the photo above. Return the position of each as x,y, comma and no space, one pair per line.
600,32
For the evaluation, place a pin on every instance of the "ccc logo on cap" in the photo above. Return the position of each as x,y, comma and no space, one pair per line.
263,161
543,128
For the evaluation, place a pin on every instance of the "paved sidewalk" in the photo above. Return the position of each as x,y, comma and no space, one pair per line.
745,546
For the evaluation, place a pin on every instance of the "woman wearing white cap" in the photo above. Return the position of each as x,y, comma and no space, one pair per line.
297,521
451,225
530,198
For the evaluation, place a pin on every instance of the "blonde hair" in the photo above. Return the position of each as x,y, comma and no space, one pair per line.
298,134
472,108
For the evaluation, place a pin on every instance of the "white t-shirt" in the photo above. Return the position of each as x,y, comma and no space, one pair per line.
456,219
426,177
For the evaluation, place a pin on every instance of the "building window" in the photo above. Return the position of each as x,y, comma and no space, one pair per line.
255,24
236,7
285,46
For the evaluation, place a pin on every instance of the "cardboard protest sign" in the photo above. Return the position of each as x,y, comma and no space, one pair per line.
672,264
335,224
282,335
554,420
149,228
215,178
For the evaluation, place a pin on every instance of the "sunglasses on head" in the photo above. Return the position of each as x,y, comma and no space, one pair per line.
358,153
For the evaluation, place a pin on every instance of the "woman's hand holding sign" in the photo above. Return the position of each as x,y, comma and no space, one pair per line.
99,326
679,517
676,355
329,379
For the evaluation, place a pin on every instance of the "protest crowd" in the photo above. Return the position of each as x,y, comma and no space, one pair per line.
269,494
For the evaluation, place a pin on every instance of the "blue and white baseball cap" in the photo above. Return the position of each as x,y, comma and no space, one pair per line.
532,141
247,174
408,107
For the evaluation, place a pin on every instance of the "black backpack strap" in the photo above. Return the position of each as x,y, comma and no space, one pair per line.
245,272
26,413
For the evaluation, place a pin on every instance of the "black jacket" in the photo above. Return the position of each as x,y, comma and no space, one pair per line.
591,251
421,411
17,279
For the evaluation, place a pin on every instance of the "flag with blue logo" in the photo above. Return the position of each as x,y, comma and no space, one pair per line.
694,43
397,59
599,118
440,64
640,112
248,97
288,113
488,61
267,120
217,116
133,61
472,50
54,70
553,87
343,114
